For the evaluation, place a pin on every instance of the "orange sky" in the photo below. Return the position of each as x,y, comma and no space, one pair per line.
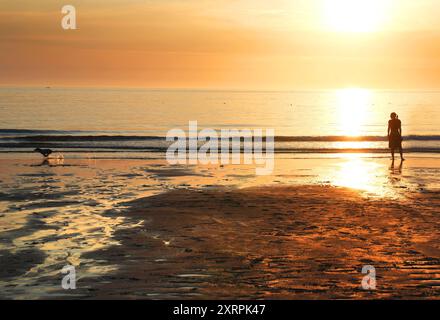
237,44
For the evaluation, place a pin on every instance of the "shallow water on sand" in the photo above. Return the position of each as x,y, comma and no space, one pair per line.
57,212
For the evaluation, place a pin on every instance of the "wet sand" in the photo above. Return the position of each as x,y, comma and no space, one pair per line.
143,229
302,242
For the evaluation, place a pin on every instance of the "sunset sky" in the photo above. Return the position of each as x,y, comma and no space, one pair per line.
247,44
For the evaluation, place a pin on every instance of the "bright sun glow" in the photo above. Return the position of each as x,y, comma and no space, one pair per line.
356,15
353,107
358,173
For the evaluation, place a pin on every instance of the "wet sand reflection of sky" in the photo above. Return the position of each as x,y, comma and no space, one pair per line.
72,208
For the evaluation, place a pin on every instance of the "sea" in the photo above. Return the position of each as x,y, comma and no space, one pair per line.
128,122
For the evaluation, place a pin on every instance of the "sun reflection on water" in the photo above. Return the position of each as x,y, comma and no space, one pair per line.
360,173
353,106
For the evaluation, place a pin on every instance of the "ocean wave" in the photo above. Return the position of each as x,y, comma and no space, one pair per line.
354,138
24,148
28,140
82,138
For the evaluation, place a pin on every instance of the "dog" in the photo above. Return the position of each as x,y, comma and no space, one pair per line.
44,152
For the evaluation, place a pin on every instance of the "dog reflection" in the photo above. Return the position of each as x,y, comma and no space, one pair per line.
50,162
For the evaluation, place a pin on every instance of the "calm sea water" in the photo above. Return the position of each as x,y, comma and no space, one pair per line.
87,120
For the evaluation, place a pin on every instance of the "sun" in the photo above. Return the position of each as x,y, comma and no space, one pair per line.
355,16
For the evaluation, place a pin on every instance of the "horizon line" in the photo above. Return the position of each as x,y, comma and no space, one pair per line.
218,89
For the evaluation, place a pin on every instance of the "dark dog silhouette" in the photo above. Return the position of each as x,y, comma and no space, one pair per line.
44,152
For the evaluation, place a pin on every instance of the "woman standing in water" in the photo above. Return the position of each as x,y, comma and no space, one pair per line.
395,135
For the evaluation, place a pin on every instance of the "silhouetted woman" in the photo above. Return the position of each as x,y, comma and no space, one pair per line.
395,135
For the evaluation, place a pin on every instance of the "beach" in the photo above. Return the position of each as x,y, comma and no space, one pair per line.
304,242
145,229
228,150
